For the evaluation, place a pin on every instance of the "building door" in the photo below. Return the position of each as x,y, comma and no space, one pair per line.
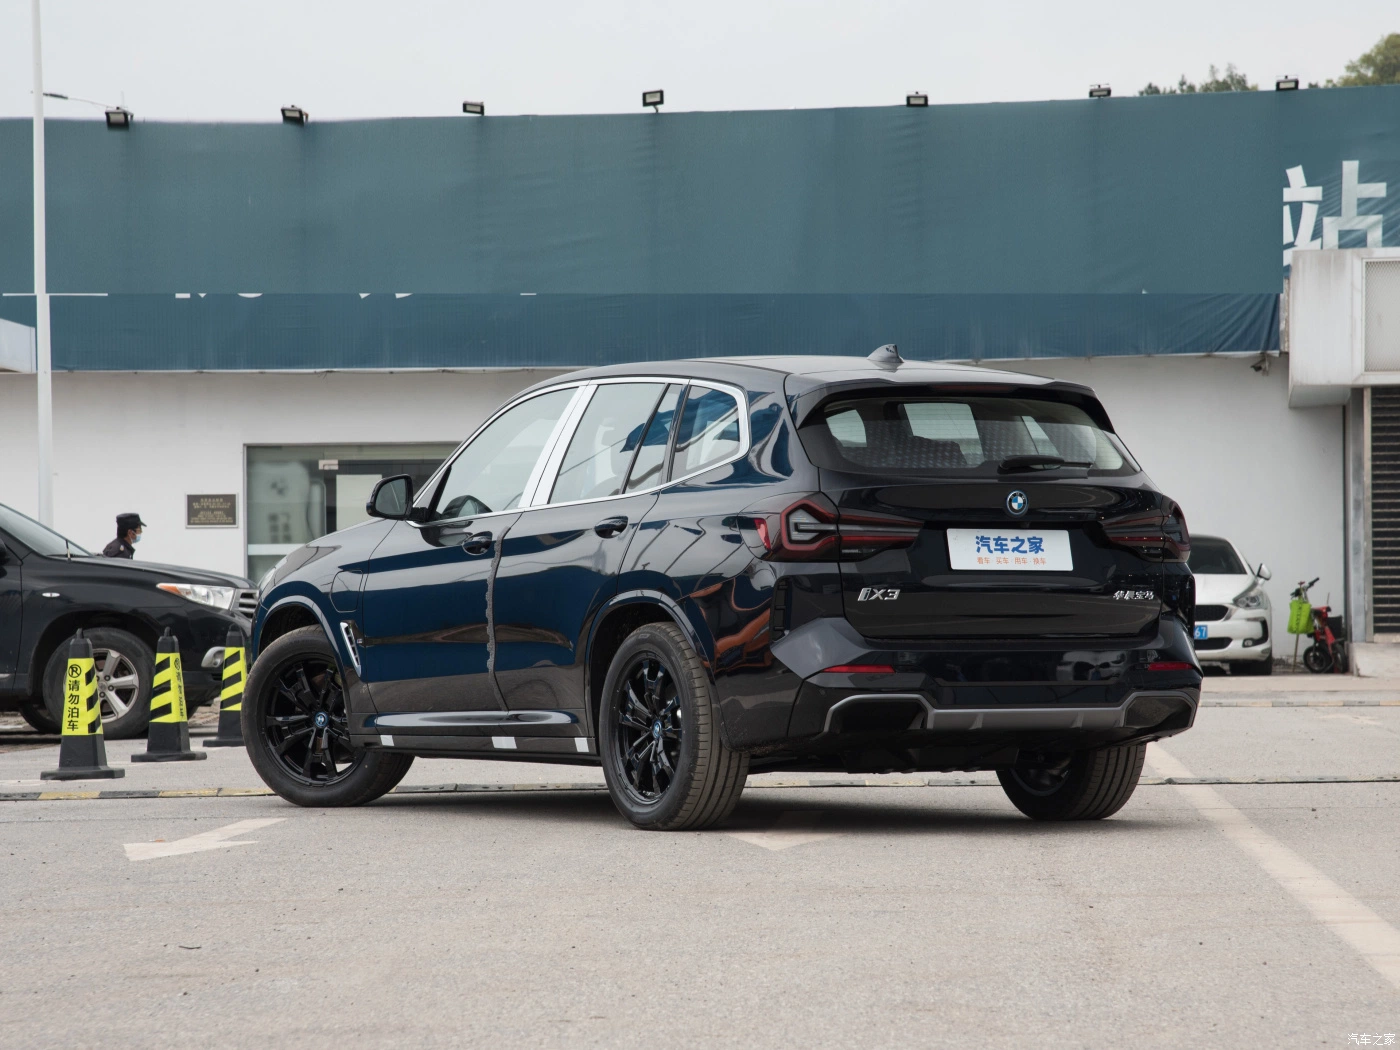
298,493
1385,509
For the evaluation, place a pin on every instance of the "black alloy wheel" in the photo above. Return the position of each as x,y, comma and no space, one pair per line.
649,726
296,727
1085,785
305,724
1042,781
664,756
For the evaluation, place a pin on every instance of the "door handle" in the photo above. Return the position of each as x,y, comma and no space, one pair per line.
610,526
478,543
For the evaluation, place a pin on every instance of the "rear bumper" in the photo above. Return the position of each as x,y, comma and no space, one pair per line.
982,696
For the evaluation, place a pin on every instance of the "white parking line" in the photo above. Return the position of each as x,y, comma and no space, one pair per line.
1376,940
216,839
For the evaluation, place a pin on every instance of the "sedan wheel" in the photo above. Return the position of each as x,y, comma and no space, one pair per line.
125,667
118,683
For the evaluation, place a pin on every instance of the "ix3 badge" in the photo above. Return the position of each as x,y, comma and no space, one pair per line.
878,594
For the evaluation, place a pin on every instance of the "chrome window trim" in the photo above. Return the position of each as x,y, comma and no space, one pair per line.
553,453
548,467
432,482
543,478
740,399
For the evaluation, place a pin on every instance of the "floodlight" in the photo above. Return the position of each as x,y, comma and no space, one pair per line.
295,115
916,99
1286,84
119,118
654,99
1100,91
476,109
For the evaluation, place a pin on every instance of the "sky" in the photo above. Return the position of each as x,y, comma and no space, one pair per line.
215,60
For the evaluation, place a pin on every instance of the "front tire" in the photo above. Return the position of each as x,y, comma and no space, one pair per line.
666,765
296,727
1089,785
126,671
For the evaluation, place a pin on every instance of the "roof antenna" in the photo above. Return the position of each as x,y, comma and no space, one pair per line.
886,356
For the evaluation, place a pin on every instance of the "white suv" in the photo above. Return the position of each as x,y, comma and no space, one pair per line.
1232,607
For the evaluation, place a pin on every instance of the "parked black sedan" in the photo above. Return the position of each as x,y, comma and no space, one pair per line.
50,587
689,571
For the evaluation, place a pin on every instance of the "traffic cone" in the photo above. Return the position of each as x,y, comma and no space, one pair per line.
231,699
168,737
82,754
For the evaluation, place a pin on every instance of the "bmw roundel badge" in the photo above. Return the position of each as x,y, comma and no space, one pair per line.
1017,504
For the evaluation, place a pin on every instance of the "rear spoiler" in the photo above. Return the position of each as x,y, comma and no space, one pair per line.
802,404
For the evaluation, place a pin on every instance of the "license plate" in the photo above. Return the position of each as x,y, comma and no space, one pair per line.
1010,550
1202,631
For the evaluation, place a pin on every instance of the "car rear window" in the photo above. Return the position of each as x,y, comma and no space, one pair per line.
1214,557
960,435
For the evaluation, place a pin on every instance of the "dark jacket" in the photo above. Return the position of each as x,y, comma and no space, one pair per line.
119,548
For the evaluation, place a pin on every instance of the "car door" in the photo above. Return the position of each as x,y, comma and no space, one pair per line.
11,614
560,561
425,644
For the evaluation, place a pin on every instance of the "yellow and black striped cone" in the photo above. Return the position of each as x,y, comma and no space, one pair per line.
231,699
168,735
82,754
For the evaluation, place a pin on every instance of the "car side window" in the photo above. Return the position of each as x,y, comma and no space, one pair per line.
606,441
708,432
651,457
491,473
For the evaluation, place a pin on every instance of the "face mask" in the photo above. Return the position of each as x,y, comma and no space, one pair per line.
136,539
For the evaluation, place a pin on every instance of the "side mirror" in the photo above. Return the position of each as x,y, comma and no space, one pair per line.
1263,572
392,498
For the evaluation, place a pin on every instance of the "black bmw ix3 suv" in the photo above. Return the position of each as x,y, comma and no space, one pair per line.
690,571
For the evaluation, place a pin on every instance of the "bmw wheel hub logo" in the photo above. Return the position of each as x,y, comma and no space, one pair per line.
321,720
1017,504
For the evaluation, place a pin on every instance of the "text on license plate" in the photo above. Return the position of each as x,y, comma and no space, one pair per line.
1013,550
1202,631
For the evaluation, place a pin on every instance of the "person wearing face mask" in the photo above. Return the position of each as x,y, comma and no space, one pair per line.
129,528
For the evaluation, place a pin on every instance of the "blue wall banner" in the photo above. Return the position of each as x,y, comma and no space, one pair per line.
1079,228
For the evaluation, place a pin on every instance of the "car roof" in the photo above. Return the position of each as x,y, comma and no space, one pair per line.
814,371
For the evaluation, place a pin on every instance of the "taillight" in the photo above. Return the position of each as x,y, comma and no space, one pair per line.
1160,534
859,669
812,530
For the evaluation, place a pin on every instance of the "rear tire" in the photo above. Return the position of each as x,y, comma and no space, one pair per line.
1090,785
37,715
667,767
298,737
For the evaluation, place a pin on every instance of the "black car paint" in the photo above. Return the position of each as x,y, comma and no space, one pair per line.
44,599
506,656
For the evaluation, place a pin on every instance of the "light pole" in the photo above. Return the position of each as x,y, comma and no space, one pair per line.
44,362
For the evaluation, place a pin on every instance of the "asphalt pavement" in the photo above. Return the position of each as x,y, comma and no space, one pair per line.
506,904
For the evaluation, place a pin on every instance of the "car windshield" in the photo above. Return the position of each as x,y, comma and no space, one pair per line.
38,538
1211,556
961,435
